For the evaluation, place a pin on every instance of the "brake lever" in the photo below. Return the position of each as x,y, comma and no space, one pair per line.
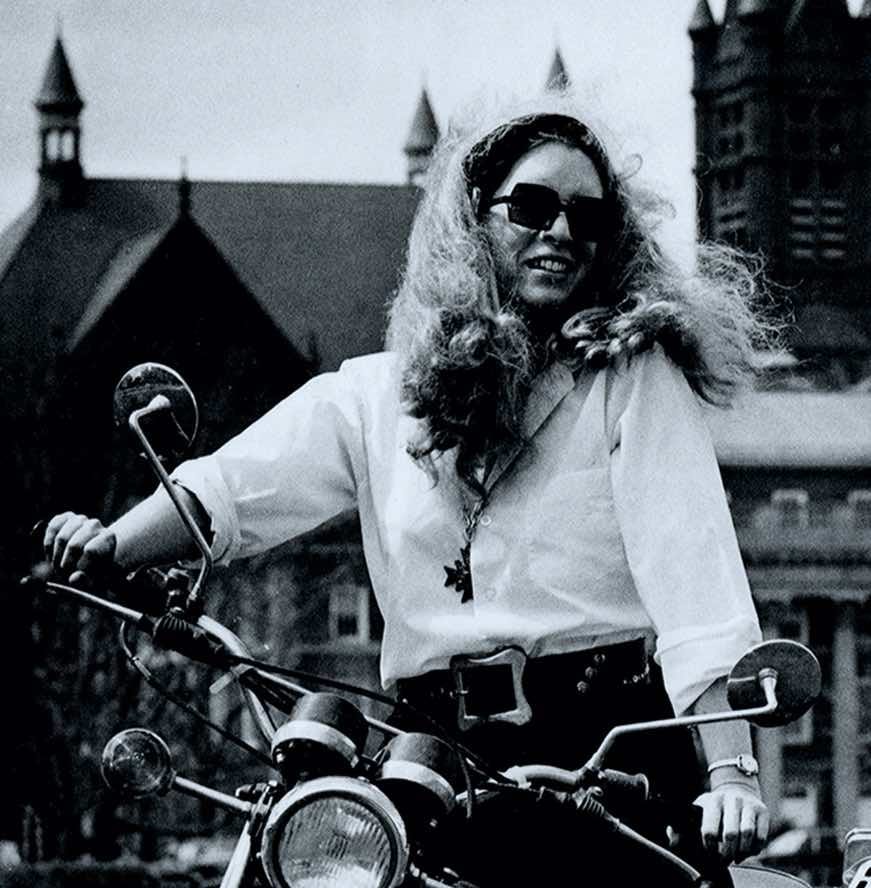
685,821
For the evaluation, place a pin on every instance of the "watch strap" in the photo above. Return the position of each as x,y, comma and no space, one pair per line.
744,762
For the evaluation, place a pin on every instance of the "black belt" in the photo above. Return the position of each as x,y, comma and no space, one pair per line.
508,686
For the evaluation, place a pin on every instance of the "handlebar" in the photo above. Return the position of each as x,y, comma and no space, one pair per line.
206,640
209,641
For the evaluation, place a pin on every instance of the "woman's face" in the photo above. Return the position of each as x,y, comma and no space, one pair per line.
542,268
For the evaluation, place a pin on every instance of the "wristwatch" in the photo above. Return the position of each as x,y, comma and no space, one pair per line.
744,762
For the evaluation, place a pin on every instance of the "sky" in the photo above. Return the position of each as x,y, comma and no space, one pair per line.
325,90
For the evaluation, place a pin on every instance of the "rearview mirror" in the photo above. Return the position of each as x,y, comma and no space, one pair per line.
137,763
171,423
798,681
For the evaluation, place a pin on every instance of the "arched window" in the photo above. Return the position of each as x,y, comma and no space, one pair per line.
791,506
68,145
52,145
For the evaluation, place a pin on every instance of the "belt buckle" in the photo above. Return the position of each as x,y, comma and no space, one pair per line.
510,661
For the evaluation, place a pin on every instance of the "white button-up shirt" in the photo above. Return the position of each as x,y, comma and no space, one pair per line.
609,524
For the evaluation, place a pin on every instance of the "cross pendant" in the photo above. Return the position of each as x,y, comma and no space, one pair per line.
459,576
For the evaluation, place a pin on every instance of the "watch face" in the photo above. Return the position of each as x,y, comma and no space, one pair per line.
748,765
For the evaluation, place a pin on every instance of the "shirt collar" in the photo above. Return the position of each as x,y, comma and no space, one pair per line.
549,389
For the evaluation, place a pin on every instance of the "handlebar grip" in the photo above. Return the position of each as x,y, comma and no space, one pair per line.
629,788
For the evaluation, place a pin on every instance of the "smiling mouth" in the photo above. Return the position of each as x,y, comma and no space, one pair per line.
551,264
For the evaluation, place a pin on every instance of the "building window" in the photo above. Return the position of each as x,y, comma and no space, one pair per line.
859,502
815,137
818,228
52,145
798,806
349,618
791,506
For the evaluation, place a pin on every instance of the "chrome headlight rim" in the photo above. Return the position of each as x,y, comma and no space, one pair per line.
351,788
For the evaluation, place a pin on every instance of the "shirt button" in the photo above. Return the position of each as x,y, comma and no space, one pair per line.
486,521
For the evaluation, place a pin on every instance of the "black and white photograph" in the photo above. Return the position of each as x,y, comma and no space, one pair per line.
437,443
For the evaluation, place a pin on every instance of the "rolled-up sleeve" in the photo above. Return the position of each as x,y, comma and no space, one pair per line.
294,468
677,531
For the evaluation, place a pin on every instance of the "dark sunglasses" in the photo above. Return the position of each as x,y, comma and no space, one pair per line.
537,207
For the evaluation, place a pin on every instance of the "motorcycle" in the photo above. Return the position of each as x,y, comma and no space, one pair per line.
328,813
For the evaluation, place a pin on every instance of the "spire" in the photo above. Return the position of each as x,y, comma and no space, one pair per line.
557,77
58,91
422,138
703,19
184,190
59,104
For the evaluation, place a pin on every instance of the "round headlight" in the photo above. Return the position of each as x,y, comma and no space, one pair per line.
334,832
137,763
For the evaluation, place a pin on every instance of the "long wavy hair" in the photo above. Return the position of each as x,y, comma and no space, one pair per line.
469,356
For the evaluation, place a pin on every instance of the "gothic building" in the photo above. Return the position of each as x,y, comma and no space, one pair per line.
225,281
782,94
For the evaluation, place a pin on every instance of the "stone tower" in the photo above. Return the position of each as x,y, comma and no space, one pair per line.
422,137
59,105
782,94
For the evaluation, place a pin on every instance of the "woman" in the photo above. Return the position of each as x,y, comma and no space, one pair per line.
531,468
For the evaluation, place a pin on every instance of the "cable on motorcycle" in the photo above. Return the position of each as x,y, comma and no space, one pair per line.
153,682
483,766
463,753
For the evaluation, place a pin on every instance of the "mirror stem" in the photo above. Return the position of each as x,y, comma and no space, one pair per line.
766,677
198,791
159,403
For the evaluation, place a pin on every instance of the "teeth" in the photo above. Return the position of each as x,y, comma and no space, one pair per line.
555,265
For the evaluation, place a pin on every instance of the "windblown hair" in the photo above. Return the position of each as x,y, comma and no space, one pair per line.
469,356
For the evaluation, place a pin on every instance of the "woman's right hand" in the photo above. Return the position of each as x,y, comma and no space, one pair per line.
79,547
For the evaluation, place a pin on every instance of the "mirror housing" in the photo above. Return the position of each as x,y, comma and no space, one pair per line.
137,763
171,423
798,681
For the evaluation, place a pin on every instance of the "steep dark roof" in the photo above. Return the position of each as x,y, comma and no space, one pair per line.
424,131
322,260
58,88
703,18
558,76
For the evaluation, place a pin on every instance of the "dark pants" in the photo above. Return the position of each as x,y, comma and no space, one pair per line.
514,839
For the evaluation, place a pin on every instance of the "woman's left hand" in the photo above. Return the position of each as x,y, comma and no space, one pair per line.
734,820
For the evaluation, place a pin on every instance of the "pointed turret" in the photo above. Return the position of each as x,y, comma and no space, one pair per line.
184,190
59,104
557,77
58,91
422,138
703,18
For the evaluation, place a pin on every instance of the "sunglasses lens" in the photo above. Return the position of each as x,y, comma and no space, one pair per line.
588,218
533,206
537,206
